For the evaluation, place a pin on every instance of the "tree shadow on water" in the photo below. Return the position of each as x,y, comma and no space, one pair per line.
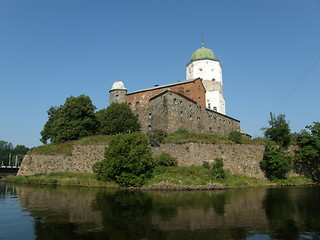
280,210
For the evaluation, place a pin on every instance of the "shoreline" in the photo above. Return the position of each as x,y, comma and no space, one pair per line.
165,186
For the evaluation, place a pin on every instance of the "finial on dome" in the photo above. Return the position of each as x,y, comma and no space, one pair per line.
202,40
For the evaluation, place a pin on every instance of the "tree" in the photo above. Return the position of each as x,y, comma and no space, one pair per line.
48,129
128,160
276,163
279,130
71,121
7,150
308,154
117,118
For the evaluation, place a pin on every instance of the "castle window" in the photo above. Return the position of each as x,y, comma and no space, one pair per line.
175,100
117,96
149,128
149,115
180,102
209,105
188,92
214,108
137,104
129,104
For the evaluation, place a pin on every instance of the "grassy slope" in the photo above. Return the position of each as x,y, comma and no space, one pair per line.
66,147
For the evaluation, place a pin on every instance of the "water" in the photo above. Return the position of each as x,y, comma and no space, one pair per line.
79,213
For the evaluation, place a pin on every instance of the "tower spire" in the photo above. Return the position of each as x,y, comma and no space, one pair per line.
202,40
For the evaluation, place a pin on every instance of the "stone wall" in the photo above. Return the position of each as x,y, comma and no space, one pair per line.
170,111
81,160
238,158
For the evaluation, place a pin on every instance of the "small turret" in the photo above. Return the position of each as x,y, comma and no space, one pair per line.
117,93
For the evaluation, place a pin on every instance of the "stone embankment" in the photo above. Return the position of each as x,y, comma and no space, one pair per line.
238,158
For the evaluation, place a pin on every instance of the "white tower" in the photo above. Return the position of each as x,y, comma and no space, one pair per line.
117,93
205,65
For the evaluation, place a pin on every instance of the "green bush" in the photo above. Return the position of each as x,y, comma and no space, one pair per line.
235,136
166,160
276,163
157,137
217,170
182,131
128,160
206,165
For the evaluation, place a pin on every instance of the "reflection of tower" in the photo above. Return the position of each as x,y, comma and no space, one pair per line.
205,65
117,93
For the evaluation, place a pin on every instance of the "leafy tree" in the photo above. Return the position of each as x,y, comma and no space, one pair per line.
276,163
7,149
48,130
165,159
117,118
128,160
308,154
279,130
71,121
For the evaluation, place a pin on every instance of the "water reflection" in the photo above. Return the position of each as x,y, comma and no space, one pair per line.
77,213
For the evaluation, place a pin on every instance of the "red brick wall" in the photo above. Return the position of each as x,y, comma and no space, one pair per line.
193,90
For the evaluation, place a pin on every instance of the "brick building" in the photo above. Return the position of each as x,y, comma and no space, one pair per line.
196,104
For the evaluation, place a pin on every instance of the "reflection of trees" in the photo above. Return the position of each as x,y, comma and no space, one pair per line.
125,214
167,206
218,202
60,229
128,214
6,189
309,209
78,213
280,210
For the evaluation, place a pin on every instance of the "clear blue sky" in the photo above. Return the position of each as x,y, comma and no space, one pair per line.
51,50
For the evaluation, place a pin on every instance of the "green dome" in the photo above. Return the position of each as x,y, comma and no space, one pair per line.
203,53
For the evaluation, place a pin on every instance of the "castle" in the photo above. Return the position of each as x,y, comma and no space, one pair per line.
196,104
